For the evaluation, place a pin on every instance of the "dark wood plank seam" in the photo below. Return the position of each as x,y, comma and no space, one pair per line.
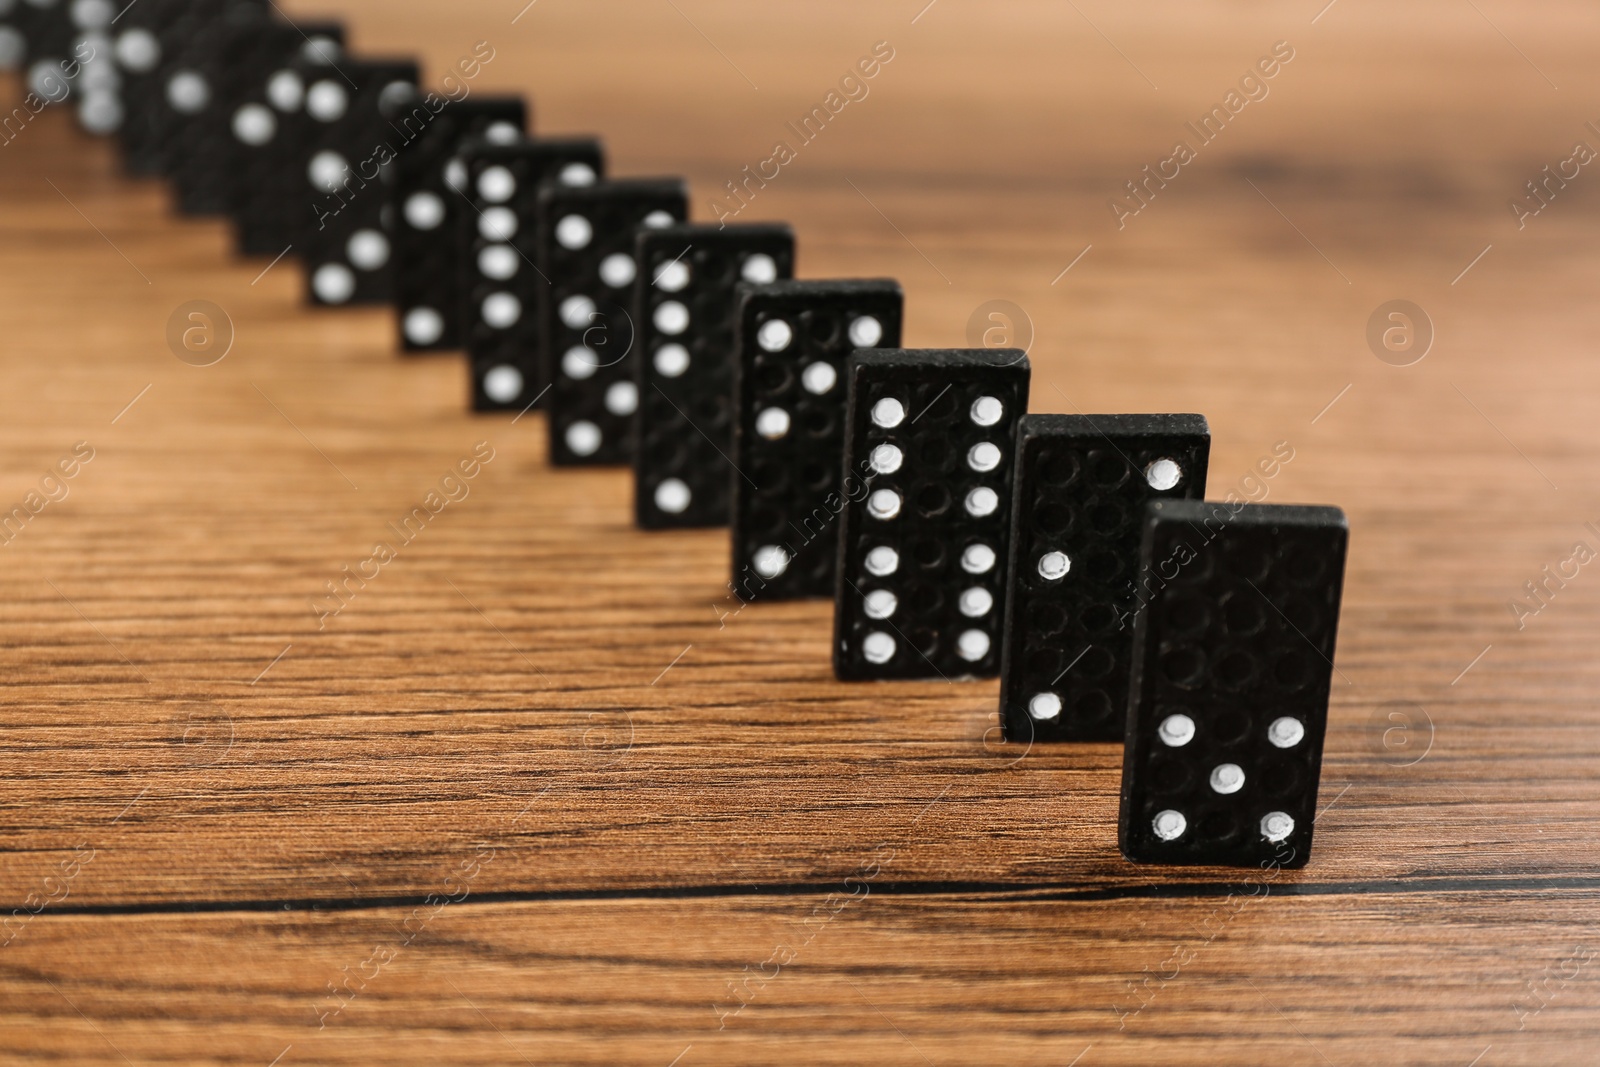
993,891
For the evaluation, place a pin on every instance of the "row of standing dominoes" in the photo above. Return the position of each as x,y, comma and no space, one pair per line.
1072,556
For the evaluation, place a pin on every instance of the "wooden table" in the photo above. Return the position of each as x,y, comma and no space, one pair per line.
539,795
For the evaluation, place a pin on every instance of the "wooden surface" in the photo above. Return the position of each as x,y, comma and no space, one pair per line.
536,796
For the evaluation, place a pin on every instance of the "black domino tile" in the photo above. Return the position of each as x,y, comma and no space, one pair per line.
794,342
232,52
1082,484
347,237
271,196
427,209
924,540
499,239
1232,668
686,304
587,244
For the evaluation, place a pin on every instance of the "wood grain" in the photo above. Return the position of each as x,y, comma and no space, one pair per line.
541,794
